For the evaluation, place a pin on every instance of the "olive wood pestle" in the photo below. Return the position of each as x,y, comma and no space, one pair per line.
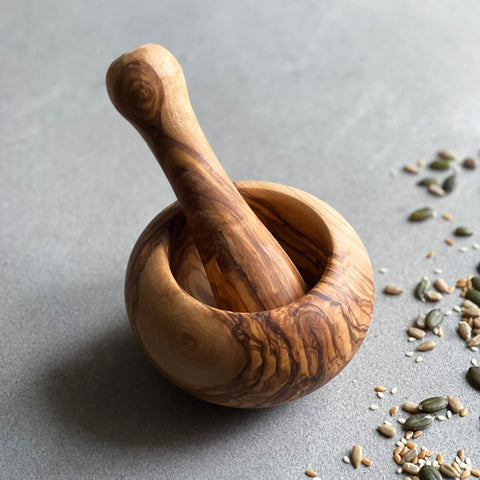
247,268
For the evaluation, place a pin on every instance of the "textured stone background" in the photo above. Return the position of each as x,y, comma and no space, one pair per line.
327,96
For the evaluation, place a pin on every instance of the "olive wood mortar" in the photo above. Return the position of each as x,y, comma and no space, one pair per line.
245,359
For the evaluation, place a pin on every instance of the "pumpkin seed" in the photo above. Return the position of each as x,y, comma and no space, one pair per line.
387,430
473,376
465,331
427,472
428,181
462,232
421,214
476,283
419,421
422,288
469,163
434,318
455,404
357,455
473,295
447,154
416,332
448,471
433,404
478,268
450,183
426,346
440,164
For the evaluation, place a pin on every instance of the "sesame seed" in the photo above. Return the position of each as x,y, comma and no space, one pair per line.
449,414
448,313
411,339
474,361
419,359
457,308
463,249
441,418
346,459
373,407
438,271
476,246
379,394
409,354
382,270
393,391
401,421
474,349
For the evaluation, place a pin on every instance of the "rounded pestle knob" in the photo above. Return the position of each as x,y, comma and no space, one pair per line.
247,268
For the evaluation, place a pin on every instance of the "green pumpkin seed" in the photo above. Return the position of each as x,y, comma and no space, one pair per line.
434,318
440,164
419,421
473,376
462,232
422,288
426,182
427,472
478,268
421,214
433,404
450,183
476,283
473,295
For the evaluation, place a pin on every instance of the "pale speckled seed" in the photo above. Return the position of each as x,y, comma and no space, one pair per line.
416,332
441,285
357,455
426,346
393,290
455,404
464,331
448,471
387,430
410,407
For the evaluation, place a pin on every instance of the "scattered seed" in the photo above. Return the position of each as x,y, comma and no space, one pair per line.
434,318
380,394
441,285
426,346
427,472
421,214
428,181
476,283
380,388
449,241
448,471
382,270
311,473
401,421
475,473
419,421
457,308
432,296
474,341
469,163
474,362
462,232
440,332
430,254
410,468
346,459
455,404
373,407
446,216
473,376
440,164
366,461
476,246
463,249
433,404
411,339
420,321
450,183
473,295
441,418
393,391
449,414
393,290
410,455
393,410
387,430
409,354
417,433
447,154
357,455
470,309
464,411
416,332
465,331
465,474
410,407
411,168
419,359
422,288
436,190
461,455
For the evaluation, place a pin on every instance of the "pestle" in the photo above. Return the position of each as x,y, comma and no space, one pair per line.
247,269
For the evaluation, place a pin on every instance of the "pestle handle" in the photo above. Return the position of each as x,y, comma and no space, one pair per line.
246,267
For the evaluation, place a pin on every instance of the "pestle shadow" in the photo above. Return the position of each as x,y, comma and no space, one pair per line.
108,391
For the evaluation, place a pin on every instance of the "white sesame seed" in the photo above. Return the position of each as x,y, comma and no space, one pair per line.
373,407
474,361
457,459
476,246
393,391
380,394
421,461
419,359
434,464
382,270
386,422
399,470
401,421
448,313
429,462
399,444
393,172
457,308
449,414
438,271
411,339
409,354
468,461
462,249
404,441
474,349
463,465
346,459
441,418
435,331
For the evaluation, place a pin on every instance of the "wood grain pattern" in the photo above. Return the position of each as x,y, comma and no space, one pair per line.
246,267
258,359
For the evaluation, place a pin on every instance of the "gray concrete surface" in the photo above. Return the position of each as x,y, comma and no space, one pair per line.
327,96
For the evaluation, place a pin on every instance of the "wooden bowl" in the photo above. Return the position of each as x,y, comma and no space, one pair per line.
260,359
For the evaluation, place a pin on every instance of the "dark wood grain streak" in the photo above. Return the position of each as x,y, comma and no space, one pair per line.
257,359
247,268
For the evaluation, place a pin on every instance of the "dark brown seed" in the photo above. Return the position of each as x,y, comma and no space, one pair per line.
421,214
473,376
469,163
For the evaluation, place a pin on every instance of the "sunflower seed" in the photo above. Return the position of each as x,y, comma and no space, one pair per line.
426,346
469,163
410,407
357,455
416,332
434,318
455,404
410,455
447,154
410,468
473,376
422,288
450,183
421,214
420,321
393,290
419,421
473,295
441,285
436,190
465,331
462,232
433,404
474,341
470,309
427,472
448,471
428,181
411,168
432,296
387,430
